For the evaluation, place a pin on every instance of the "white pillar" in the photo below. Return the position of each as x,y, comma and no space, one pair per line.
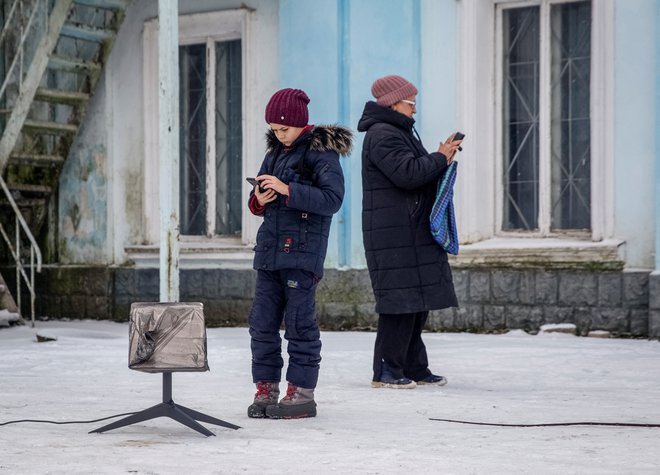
168,147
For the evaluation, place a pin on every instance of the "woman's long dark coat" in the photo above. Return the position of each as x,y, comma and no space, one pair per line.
408,269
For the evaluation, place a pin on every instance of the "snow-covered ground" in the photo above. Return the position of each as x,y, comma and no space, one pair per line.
512,378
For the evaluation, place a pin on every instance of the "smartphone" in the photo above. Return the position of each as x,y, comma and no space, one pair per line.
254,182
459,136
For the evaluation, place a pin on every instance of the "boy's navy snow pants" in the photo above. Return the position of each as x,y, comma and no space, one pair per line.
289,295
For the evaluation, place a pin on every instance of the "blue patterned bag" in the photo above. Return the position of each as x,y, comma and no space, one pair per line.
443,219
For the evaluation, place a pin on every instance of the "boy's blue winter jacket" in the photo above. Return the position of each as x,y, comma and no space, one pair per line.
294,234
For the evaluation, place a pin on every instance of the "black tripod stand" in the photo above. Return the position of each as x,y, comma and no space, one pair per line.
168,408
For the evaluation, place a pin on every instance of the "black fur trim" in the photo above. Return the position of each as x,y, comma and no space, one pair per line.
324,138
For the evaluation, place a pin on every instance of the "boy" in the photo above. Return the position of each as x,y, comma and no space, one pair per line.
300,186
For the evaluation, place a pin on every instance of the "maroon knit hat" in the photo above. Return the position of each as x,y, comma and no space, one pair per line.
391,89
288,107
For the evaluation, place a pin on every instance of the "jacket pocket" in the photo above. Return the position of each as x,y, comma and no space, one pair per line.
309,223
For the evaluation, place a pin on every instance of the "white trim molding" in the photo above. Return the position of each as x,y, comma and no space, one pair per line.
602,119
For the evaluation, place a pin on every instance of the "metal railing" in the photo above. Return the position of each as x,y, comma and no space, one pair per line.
16,22
20,27
35,253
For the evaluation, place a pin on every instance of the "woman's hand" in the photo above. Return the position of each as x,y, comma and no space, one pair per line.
272,186
449,147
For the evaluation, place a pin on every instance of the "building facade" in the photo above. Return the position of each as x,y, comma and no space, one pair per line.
557,195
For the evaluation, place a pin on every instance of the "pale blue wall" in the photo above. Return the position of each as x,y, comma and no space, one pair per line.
438,94
350,44
635,128
309,59
355,41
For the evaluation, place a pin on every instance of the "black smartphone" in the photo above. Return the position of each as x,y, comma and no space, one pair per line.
254,182
459,136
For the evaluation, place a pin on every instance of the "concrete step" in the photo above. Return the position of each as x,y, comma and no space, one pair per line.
51,127
86,33
58,96
29,188
36,160
104,4
73,65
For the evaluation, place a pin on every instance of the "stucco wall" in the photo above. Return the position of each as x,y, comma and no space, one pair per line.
635,129
105,172
334,51
351,45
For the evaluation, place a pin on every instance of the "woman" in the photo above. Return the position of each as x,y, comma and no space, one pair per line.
300,185
409,271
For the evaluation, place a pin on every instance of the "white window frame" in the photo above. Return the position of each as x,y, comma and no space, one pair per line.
207,28
480,97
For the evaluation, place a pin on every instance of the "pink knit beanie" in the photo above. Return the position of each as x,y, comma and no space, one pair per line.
288,107
391,89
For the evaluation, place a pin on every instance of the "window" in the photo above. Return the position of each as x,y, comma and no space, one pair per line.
218,117
211,138
546,127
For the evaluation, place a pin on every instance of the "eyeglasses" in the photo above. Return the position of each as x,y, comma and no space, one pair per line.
412,103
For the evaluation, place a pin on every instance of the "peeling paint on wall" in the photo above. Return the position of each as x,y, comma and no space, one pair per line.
133,203
83,206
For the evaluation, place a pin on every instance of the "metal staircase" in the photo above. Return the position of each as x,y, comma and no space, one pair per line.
51,56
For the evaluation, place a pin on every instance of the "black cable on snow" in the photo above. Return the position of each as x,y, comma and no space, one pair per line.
552,424
66,422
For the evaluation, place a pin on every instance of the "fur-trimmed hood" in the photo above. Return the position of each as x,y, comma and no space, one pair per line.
323,138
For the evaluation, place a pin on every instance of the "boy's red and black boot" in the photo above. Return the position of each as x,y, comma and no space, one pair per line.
298,403
267,394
